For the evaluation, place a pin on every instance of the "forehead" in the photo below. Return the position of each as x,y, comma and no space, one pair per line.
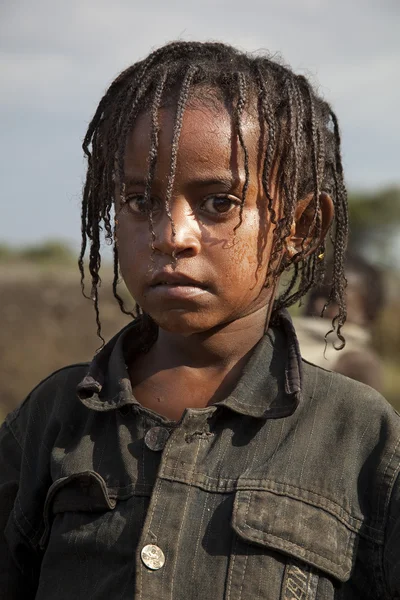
208,139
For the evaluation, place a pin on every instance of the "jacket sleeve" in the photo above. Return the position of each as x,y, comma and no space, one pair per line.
13,584
391,554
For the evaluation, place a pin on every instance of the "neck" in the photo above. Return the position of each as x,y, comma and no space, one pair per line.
219,348
193,371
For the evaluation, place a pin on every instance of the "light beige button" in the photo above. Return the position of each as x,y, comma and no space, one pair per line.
153,557
156,438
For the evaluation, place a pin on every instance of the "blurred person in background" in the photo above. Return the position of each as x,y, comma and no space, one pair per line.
365,299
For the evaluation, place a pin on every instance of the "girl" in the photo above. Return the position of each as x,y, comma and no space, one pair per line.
198,456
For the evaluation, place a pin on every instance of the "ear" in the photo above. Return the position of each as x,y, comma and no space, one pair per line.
304,237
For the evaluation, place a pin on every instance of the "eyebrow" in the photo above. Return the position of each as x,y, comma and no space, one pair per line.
224,180
132,180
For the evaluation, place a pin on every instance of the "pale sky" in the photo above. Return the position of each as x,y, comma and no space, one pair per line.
58,56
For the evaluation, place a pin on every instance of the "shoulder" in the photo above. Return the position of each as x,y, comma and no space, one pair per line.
350,408
53,398
331,387
358,436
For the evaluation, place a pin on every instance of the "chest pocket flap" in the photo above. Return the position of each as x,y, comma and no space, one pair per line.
86,491
303,531
81,491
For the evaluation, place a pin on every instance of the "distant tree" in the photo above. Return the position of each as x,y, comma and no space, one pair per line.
50,251
375,225
5,251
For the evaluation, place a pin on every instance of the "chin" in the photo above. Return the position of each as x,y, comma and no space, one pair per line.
183,322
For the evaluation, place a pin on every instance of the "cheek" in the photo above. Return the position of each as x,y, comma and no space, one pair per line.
133,249
245,262
253,245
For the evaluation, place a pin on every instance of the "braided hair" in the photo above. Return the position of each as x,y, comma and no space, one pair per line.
302,153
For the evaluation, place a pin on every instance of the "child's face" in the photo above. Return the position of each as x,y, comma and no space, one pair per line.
228,268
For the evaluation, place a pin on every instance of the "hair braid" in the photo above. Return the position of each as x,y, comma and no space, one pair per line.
153,153
302,154
315,160
269,117
241,103
182,100
116,281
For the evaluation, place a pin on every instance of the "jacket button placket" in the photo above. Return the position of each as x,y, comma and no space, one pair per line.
162,535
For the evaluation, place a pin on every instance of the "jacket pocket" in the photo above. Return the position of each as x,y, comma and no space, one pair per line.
287,548
80,492
88,539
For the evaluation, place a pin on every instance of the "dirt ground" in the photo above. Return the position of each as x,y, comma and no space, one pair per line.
45,324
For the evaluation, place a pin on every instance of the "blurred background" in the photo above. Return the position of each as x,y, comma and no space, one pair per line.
57,58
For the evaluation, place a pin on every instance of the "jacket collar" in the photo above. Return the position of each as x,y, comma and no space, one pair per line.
269,387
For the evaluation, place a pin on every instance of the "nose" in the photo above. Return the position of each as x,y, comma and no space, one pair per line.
177,234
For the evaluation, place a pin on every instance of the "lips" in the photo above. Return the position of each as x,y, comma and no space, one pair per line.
177,289
164,278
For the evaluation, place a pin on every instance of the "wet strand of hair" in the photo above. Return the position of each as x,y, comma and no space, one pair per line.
240,106
218,65
182,100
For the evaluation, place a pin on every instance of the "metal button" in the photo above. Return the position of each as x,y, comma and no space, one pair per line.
153,557
156,438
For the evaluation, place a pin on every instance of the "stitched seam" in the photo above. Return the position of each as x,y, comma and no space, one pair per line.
29,537
222,450
354,528
247,549
391,480
314,421
377,567
244,571
383,480
21,530
386,509
233,555
296,546
181,527
264,405
164,458
198,538
287,385
277,446
291,493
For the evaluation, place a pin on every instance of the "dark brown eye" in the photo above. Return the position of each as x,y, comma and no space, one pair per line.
219,205
139,205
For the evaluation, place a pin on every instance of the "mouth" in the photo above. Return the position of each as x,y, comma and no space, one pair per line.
165,279
176,286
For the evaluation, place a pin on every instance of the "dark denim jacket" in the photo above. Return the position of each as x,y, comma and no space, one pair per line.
288,489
